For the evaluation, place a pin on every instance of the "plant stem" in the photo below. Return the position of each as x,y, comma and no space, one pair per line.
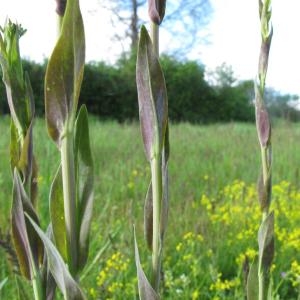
69,192
59,25
263,280
38,290
37,287
155,37
156,173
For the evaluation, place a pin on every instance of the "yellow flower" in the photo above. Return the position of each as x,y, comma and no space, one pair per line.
188,235
93,293
178,247
130,185
195,295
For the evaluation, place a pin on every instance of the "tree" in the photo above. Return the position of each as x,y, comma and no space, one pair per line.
184,20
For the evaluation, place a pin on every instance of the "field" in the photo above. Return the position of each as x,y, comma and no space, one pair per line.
214,212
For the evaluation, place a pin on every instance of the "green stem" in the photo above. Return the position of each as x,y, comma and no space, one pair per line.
156,174
59,24
39,293
155,37
265,174
69,192
37,287
263,280
265,167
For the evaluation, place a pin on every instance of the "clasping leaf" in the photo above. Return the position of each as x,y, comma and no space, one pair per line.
152,96
64,73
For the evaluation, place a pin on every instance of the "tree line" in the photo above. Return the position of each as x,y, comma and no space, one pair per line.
109,91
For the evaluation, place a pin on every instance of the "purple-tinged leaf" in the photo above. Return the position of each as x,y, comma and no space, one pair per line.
64,73
264,192
264,57
19,229
165,183
57,216
266,242
263,125
57,266
156,10
85,179
166,153
48,280
20,237
148,217
152,96
146,292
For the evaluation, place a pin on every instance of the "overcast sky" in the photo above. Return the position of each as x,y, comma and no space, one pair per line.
233,33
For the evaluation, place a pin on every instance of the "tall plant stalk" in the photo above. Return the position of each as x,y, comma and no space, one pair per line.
153,111
21,104
156,175
72,188
266,230
54,258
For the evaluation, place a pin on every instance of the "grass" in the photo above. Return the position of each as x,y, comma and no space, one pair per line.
214,213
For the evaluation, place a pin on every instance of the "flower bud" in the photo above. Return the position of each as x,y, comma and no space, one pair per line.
61,7
156,10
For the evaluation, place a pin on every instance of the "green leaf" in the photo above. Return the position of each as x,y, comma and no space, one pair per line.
14,146
252,281
266,243
64,73
57,266
34,183
146,292
26,156
13,76
152,96
148,217
57,214
2,283
85,182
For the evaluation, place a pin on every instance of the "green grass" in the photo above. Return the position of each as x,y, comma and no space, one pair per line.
213,170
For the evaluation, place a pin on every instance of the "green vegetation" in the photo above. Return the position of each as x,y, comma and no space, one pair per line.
210,251
213,196
259,284
109,91
52,259
153,113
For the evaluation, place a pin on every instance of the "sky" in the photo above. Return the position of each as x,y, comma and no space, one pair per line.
233,36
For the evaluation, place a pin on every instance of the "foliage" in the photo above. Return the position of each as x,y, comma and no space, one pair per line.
119,205
109,92
49,260
259,278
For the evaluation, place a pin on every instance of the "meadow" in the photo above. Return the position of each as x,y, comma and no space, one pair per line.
214,212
